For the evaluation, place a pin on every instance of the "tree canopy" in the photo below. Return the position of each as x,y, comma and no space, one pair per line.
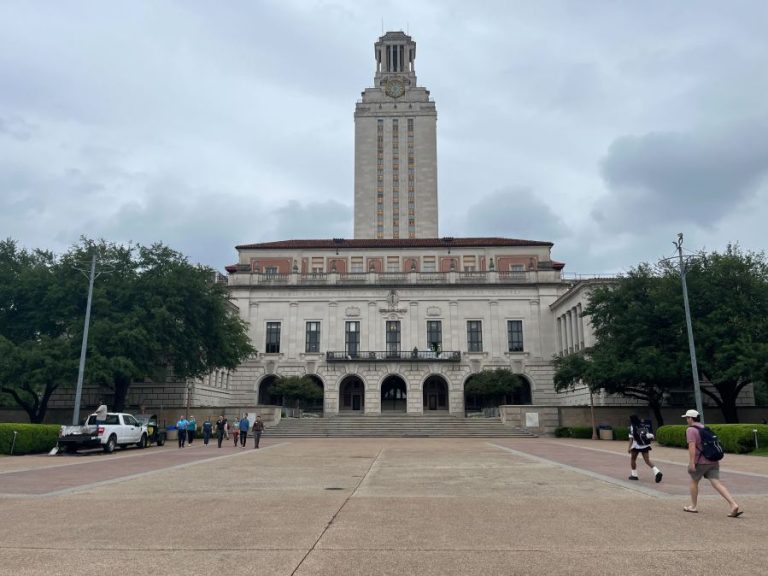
297,389
641,348
153,314
493,386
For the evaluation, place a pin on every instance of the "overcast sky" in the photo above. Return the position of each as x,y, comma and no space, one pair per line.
605,127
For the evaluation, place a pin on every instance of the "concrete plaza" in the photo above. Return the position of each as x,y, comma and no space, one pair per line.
376,506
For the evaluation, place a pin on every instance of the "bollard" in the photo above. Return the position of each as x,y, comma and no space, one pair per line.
755,433
14,441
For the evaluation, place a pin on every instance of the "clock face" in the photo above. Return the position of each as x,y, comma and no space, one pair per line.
394,88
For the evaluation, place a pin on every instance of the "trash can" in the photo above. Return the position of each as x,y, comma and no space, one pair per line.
605,431
172,433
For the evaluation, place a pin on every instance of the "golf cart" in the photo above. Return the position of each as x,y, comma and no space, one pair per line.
155,434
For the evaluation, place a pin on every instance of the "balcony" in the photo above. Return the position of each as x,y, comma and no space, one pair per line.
402,356
395,278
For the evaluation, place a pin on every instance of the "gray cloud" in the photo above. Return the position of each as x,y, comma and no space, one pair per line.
696,177
514,213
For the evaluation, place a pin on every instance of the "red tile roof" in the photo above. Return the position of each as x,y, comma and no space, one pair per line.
446,242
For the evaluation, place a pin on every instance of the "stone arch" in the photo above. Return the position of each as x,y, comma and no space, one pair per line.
265,397
523,395
317,406
394,394
435,393
352,394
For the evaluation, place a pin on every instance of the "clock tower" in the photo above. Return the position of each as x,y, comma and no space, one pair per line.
395,148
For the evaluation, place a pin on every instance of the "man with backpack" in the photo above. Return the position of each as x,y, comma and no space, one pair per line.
704,455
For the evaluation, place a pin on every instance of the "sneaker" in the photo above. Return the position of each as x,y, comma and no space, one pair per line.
658,477
634,478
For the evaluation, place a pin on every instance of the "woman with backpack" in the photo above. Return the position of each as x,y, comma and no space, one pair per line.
640,443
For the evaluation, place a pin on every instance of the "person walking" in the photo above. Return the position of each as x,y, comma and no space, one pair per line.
181,430
700,467
244,425
258,428
640,443
207,428
221,428
191,429
235,432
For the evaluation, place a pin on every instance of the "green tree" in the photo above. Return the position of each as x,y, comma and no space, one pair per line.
153,313
38,349
728,295
641,348
493,386
297,389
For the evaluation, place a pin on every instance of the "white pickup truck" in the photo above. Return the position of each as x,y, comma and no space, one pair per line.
108,431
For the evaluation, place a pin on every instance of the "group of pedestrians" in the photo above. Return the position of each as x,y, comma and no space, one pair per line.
698,465
187,429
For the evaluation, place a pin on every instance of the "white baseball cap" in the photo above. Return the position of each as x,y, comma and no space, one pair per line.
691,414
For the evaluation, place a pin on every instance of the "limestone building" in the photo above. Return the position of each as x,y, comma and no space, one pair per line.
398,318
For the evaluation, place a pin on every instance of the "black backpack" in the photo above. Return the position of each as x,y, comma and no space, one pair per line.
710,445
641,435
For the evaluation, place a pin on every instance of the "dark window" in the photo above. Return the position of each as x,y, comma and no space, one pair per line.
515,335
273,337
474,336
393,338
352,339
434,335
313,337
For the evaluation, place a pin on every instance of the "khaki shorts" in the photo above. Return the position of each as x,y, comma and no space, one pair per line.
708,471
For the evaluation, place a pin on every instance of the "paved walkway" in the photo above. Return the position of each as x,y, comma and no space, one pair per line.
376,506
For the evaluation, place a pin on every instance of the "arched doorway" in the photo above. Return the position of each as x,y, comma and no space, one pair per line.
435,394
352,394
316,406
265,391
394,394
522,395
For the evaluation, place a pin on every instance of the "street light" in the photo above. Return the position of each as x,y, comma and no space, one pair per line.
79,389
691,346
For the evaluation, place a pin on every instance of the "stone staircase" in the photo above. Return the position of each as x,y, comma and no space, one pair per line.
394,426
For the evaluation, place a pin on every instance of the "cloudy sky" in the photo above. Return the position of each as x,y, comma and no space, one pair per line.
605,127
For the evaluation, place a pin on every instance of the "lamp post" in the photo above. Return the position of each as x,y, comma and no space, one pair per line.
84,347
691,346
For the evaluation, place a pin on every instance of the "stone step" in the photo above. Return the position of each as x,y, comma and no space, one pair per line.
394,426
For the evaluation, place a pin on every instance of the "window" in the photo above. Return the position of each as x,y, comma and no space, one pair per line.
515,335
429,264
313,337
273,338
393,338
474,336
270,270
434,335
352,339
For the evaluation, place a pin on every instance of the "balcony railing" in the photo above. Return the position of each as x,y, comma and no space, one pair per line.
394,278
390,356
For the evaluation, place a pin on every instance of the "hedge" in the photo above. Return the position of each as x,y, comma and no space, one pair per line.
31,438
734,438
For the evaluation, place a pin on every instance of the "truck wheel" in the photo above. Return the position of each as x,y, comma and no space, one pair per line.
143,442
109,447
70,449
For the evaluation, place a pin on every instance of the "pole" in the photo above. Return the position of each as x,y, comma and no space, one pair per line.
691,346
186,415
79,392
592,411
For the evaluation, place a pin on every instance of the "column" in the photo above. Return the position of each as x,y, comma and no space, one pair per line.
454,326
496,346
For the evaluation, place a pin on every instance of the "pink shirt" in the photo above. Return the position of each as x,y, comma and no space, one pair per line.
692,435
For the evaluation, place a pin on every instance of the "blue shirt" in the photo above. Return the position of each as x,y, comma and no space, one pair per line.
182,424
244,424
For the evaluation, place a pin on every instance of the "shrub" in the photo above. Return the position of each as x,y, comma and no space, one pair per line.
31,438
621,433
562,432
734,438
581,431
